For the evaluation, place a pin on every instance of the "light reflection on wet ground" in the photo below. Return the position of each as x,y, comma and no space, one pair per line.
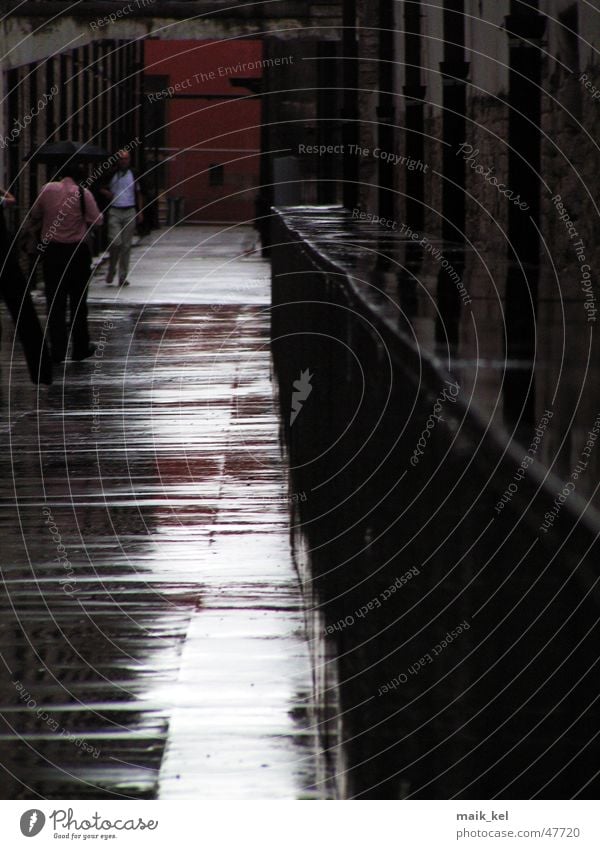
149,602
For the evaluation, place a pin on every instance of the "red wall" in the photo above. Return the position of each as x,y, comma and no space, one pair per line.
230,128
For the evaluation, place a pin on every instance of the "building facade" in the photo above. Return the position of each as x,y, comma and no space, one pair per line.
476,123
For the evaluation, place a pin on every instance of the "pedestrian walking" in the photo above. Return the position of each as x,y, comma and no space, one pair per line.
16,294
125,210
66,212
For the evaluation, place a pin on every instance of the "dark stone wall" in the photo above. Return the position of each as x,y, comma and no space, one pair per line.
506,706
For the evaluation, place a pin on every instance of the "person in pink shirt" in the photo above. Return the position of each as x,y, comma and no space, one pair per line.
66,213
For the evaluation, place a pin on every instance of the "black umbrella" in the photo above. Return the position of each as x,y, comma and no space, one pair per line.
78,151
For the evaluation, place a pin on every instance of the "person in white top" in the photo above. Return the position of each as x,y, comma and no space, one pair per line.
125,209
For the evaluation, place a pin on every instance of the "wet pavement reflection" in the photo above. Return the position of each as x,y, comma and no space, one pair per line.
152,632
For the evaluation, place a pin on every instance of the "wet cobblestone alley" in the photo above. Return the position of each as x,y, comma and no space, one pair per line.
152,628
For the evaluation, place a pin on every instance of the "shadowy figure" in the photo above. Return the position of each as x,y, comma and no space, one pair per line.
14,290
66,212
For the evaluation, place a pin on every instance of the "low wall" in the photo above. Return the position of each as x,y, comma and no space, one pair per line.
458,635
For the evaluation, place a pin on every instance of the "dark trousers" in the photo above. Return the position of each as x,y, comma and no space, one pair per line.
13,288
67,270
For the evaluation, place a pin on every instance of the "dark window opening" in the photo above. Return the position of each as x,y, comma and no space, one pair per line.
216,175
567,65
75,117
155,114
31,144
568,38
414,94
49,110
63,129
